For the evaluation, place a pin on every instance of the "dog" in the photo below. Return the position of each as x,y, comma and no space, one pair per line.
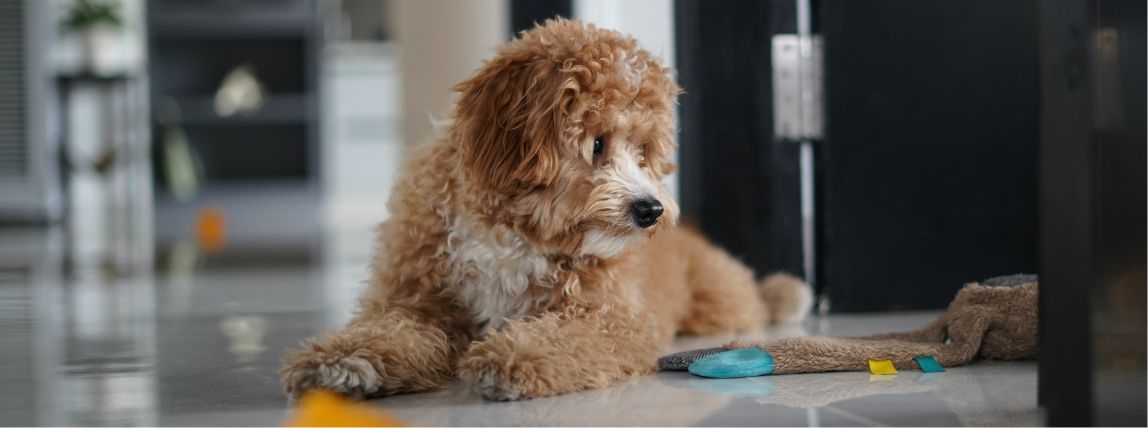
532,248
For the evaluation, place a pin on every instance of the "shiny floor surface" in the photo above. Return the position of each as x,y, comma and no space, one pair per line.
197,342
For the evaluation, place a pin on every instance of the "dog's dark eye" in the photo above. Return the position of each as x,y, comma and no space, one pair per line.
599,146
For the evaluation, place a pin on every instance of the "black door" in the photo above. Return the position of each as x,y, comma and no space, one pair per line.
738,184
947,124
927,173
1093,144
924,173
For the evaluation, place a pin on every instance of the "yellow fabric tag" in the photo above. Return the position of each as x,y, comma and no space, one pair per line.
881,367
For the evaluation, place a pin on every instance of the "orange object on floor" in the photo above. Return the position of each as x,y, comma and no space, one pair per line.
211,228
320,408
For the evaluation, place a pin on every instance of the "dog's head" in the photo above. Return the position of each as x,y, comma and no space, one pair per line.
566,133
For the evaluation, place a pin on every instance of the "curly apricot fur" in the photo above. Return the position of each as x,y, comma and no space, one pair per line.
511,258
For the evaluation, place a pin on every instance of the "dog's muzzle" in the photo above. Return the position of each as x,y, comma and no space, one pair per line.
646,212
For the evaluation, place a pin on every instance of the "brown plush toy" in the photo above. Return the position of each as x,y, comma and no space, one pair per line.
995,319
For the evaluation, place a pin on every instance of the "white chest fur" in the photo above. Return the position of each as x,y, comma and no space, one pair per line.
493,276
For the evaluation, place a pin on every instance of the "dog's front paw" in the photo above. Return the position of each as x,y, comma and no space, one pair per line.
353,374
499,373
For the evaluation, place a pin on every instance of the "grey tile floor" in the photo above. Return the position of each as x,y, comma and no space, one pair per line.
196,343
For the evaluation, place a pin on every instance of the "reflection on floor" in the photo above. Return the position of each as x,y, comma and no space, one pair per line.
197,343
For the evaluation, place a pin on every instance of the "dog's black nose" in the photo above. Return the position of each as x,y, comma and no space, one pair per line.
646,212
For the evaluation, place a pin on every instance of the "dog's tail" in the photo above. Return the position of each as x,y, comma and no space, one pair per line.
788,298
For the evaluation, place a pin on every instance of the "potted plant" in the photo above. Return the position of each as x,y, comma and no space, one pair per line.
98,24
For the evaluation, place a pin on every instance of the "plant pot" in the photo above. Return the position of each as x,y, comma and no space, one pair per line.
98,45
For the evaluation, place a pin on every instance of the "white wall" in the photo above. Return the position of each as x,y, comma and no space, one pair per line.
442,43
362,142
380,96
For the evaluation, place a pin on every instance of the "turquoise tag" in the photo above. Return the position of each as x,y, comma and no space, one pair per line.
746,362
929,364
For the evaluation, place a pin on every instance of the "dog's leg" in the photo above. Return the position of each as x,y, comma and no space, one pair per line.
392,351
726,298
561,352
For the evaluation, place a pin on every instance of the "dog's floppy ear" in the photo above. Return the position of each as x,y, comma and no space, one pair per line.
509,122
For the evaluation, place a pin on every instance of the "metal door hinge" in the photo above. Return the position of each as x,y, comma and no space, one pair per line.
798,110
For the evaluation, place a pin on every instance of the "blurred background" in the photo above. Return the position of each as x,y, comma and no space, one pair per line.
182,175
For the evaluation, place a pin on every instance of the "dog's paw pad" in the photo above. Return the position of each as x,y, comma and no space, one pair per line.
353,376
492,388
513,381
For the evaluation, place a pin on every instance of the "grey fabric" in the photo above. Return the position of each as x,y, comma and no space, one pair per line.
1010,280
682,360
